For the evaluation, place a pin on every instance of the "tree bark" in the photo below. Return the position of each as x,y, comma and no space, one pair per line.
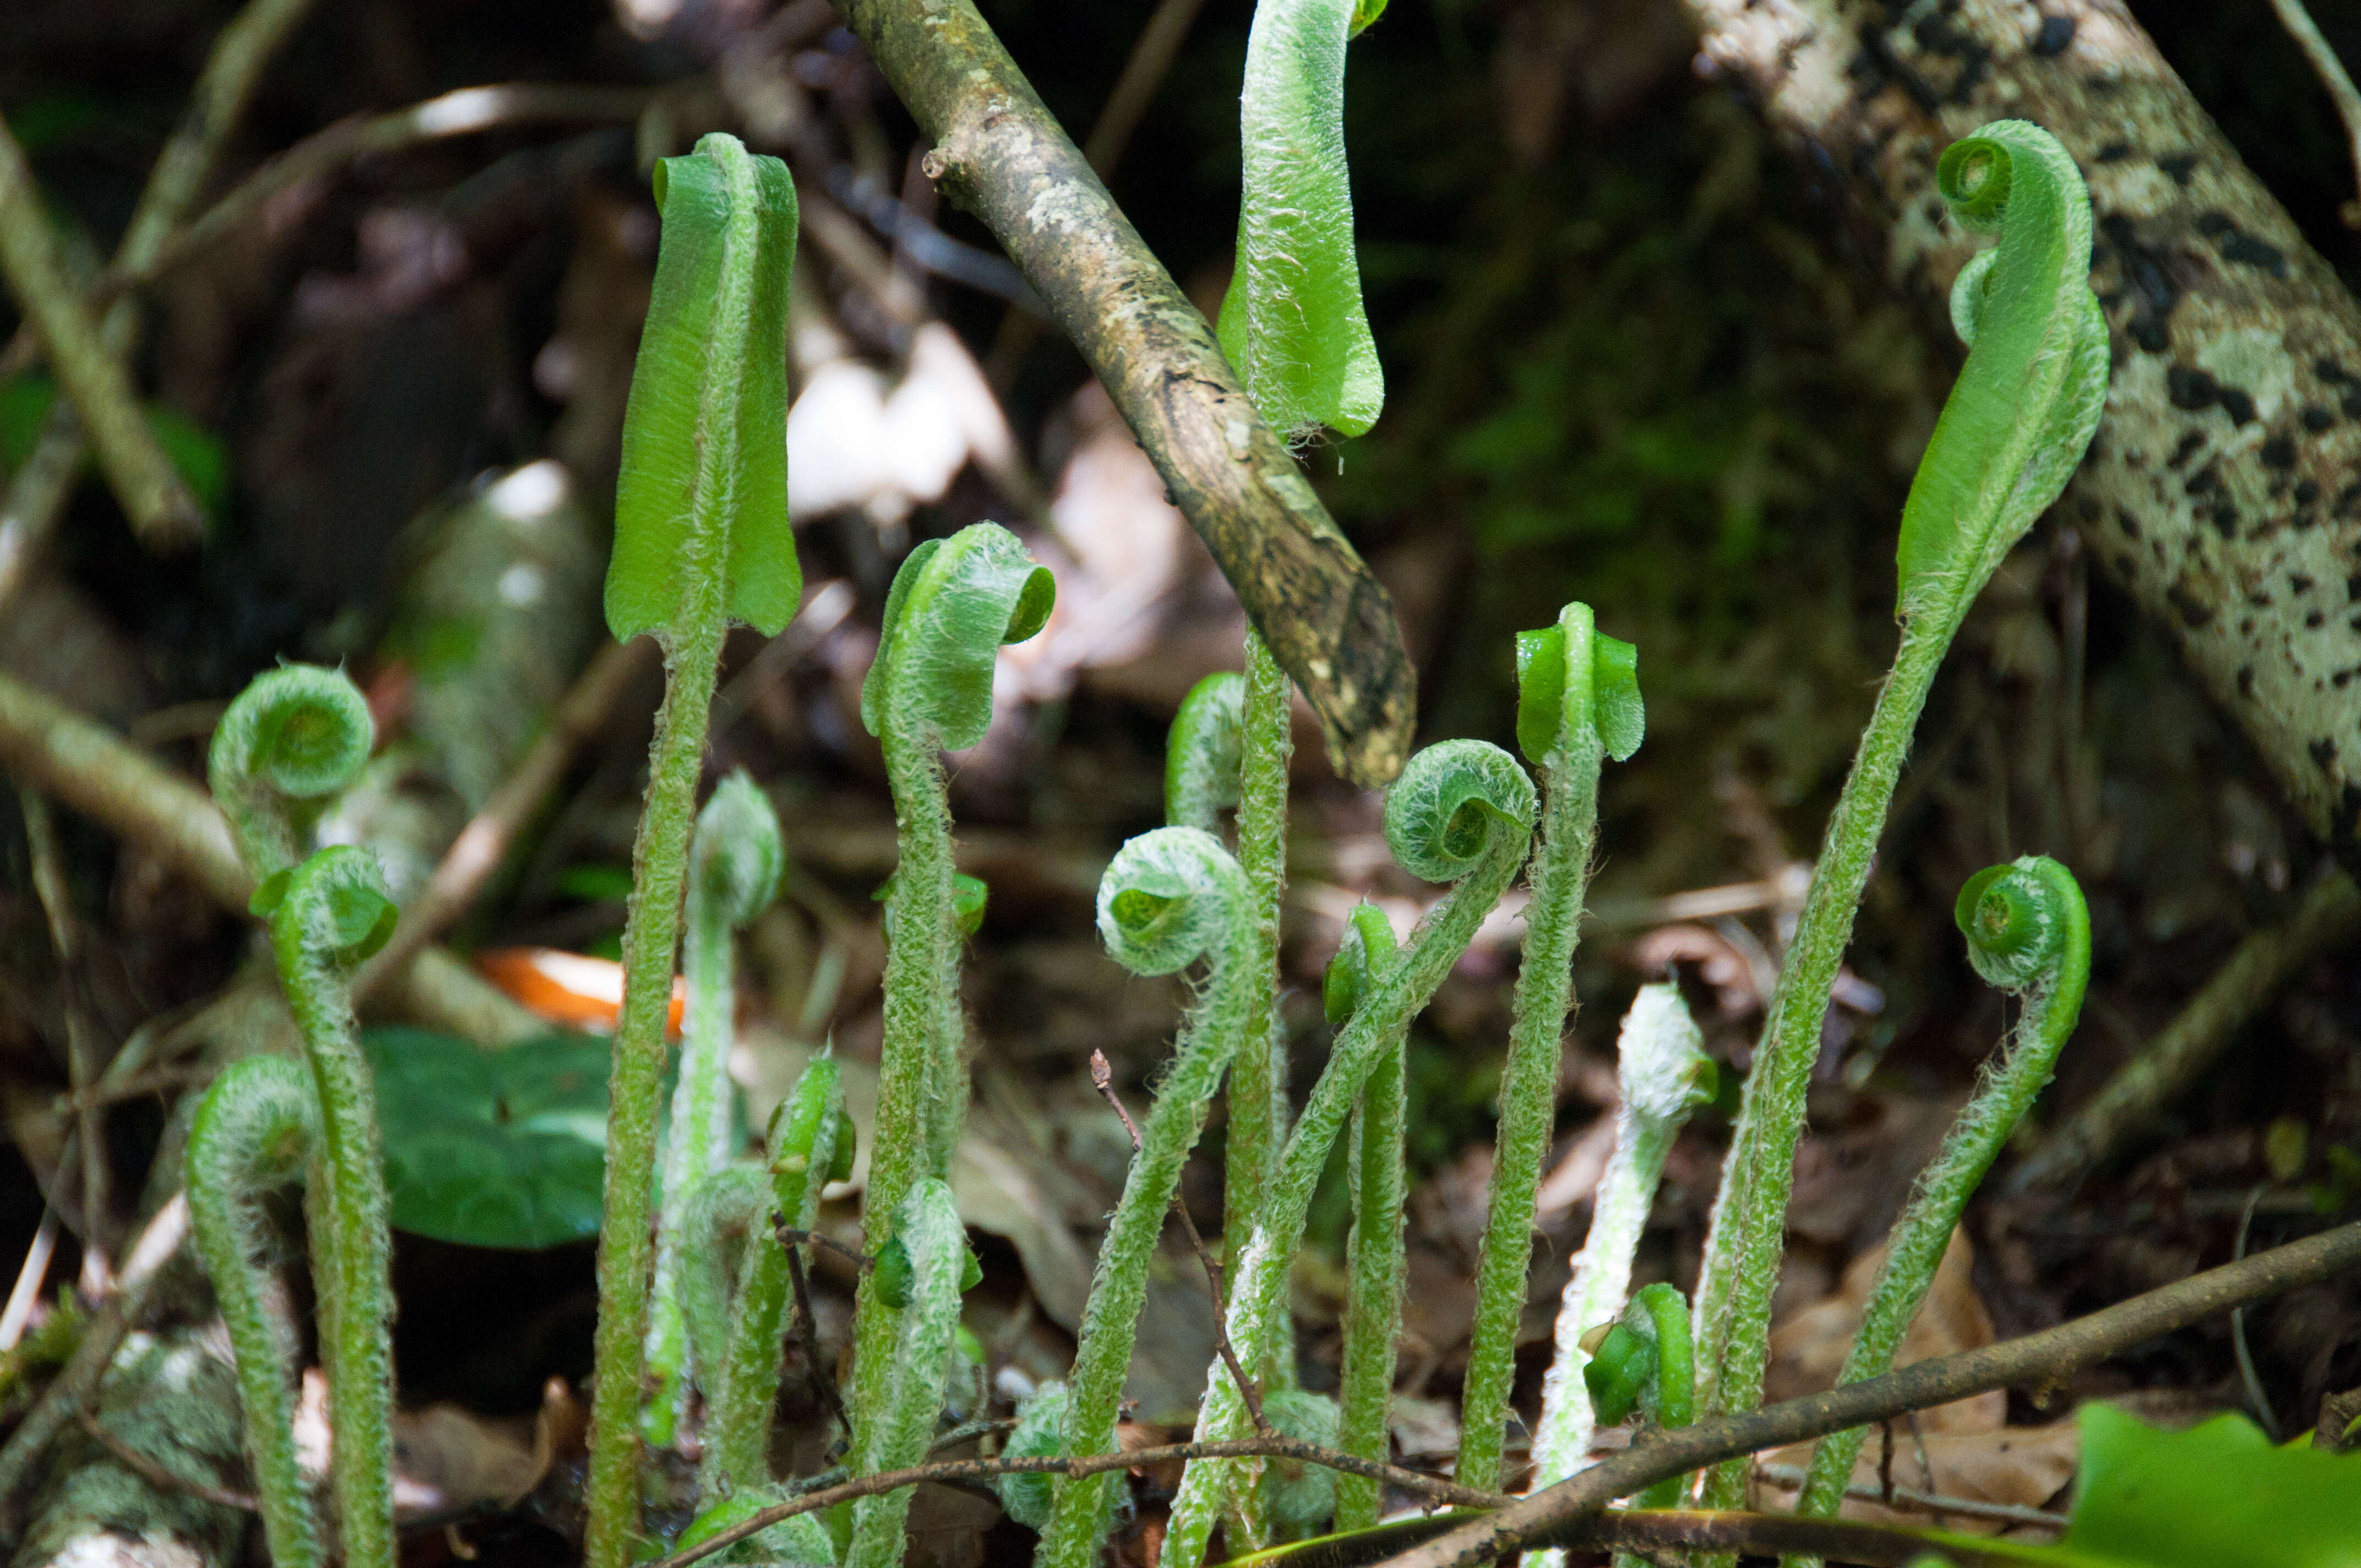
999,151
2224,489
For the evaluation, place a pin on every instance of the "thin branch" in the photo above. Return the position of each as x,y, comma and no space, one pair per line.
1002,153
154,1472
484,843
958,1470
163,512
37,492
1792,1477
806,1330
464,112
90,770
82,1049
2331,72
1102,1080
1545,1518
790,1237
109,1090
34,1273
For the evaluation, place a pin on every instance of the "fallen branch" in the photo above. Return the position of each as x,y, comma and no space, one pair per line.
1002,153
1552,1518
959,1470
87,767
2173,1062
1791,1476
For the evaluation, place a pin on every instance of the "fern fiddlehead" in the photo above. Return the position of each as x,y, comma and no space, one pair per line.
1663,1074
1578,703
2028,932
810,1144
927,1229
734,866
1204,753
1462,812
257,1128
702,538
952,605
1170,897
2016,423
1293,322
1374,1161
294,736
326,915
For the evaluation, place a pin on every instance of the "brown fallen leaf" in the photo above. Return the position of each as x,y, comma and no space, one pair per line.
1808,1349
2023,1467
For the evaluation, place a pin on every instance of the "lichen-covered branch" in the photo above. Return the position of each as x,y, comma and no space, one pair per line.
2220,491
1000,151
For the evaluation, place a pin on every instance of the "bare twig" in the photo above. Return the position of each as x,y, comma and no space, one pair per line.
461,112
68,1394
1003,154
81,1048
1102,1080
37,492
2257,1395
791,1238
806,1330
90,770
29,1279
148,1470
2173,1061
1792,1477
480,847
162,511
2331,72
1545,1518
113,1090
957,1470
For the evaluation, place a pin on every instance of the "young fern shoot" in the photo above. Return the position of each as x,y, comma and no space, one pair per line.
1644,1361
293,737
953,603
326,915
1578,703
701,539
811,1145
2016,423
1170,897
934,1270
1292,322
2028,932
1663,1074
1462,811
1373,1295
257,1128
734,866
1229,747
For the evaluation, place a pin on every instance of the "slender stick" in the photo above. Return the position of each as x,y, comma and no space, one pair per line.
1537,1519
163,514
81,1068
37,492
1329,622
152,1472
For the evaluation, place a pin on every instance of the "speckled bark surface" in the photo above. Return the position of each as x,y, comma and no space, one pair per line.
2223,489
999,152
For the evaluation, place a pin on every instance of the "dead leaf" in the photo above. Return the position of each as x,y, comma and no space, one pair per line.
446,1458
1808,1349
2023,1467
